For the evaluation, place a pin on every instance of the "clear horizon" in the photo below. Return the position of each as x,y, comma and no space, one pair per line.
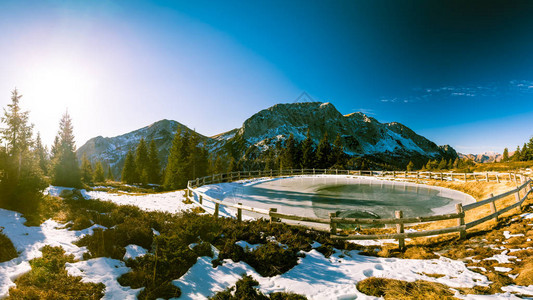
456,73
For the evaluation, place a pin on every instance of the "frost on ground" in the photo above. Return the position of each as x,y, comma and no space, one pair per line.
29,240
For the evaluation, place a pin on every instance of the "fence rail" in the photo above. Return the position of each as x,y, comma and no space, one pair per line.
399,221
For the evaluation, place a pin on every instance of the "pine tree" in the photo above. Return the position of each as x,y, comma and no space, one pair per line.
338,157
442,164
99,175
175,176
142,162
524,154
456,163
529,152
129,172
154,167
56,148
308,152
232,166
410,166
110,175
219,166
505,155
22,178
289,156
86,170
323,153
66,171
42,154
197,159
516,154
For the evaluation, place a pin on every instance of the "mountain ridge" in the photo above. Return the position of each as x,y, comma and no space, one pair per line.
361,136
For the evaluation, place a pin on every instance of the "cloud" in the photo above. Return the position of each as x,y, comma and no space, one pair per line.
366,111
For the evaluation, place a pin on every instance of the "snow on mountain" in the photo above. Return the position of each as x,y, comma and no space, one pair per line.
361,135
486,157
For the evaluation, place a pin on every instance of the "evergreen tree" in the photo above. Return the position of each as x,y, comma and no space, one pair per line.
110,175
338,158
66,171
219,166
289,156
524,154
505,155
142,162
197,159
308,152
99,175
410,166
42,154
323,153
154,167
529,152
456,163
442,164
175,176
516,154
129,172
86,170
232,166
56,148
22,178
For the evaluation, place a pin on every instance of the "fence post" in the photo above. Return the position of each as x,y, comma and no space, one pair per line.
239,213
493,207
272,219
487,176
332,225
460,220
417,175
514,175
517,197
336,171
399,229
313,171
216,210
497,178
371,173
441,177
270,172
186,195
200,198
465,176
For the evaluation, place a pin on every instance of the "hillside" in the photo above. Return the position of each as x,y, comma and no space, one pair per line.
362,136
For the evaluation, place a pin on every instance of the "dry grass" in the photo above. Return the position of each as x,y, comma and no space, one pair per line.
404,290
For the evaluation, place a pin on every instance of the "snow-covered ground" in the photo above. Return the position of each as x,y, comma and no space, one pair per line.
168,202
29,241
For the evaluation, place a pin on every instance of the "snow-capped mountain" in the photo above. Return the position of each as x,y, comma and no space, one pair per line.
486,157
112,150
361,135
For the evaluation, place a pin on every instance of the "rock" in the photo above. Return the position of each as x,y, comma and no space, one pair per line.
66,194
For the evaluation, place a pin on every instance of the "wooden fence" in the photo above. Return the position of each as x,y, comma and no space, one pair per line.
526,188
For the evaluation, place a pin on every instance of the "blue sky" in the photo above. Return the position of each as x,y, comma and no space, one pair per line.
457,72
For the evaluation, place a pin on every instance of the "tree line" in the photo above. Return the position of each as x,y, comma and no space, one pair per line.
521,154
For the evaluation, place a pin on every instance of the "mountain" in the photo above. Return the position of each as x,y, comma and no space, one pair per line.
112,150
361,136
486,157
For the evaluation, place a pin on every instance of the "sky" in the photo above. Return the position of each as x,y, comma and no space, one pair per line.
456,72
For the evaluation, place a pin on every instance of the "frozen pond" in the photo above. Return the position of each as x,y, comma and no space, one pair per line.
355,197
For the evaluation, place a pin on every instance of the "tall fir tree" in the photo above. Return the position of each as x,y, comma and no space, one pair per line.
232,165
175,172
142,162
289,155
338,158
42,154
529,152
99,175
505,155
22,178
66,171
524,154
197,158
110,175
129,172
154,168
308,152
86,170
516,155
323,153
